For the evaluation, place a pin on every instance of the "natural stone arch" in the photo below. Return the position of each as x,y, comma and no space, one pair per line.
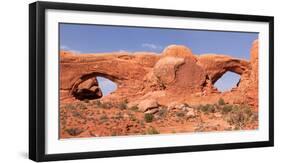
217,65
219,75
228,85
93,76
122,69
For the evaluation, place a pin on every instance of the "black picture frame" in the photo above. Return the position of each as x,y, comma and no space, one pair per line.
37,80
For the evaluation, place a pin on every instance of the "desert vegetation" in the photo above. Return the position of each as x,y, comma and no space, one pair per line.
97,118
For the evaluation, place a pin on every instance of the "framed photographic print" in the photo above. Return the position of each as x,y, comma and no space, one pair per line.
111,81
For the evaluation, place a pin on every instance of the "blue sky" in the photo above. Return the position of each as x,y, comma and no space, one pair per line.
107,86
98,39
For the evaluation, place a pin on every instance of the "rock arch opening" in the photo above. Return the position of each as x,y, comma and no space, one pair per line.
92,87
107,86
227,81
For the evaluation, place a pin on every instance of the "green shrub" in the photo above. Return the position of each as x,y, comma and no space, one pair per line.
211,108
118,116
106,105
208,108
254,117
148,117
113,134
103,118
97,102
77,114
221,101
70,107
151,131
226,109
122,105
132,117
134,108
180,114
237,119
81,106
247,110
240,116
74,131
205,108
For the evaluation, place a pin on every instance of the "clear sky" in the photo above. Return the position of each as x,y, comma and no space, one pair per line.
98,39
106,85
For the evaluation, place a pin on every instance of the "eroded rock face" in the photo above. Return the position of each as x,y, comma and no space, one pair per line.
254,74
254,61
176,72
148,104
165,69
190,77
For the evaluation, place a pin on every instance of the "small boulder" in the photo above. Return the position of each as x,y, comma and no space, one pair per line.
152,111
179,106
217,115
191,113
172,106
148,104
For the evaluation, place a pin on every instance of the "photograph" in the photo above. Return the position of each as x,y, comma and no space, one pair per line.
112,81
119,80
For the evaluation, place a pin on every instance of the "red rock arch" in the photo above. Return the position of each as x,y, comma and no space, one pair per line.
93,76
122,69
217,65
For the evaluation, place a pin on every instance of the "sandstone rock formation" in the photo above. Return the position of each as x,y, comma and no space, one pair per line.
148,104
177,72
88,90
179,51
165,69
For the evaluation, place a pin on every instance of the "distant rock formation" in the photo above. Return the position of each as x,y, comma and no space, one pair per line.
176,71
